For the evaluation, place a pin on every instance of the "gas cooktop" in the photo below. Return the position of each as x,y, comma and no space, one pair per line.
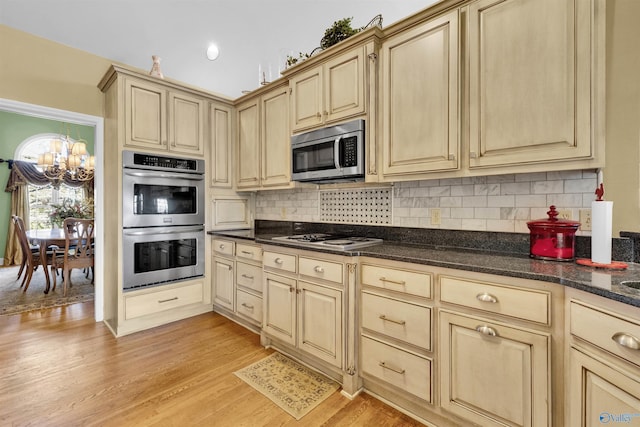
329,241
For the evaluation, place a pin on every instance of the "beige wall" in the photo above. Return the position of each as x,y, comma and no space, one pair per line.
38,71
622,171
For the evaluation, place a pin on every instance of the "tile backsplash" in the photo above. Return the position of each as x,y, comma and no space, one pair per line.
489,203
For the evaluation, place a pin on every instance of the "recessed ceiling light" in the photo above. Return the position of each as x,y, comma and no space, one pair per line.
212,52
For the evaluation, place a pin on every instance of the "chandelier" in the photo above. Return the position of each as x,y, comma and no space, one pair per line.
66,160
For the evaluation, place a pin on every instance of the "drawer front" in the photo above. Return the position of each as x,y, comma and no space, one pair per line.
321,269
410,282
397,367
527,304
162,300
249,306
250,252
407,322
249,276
605,330
279,261
223,247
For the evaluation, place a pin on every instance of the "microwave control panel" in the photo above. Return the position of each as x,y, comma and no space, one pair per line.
349,151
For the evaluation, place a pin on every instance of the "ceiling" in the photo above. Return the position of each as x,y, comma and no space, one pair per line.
249,33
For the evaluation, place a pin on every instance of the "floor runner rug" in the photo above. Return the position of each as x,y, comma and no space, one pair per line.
293,387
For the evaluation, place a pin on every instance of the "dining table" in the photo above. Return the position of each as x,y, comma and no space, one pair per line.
45,238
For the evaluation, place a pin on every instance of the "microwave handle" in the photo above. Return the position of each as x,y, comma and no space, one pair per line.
336,153
151,174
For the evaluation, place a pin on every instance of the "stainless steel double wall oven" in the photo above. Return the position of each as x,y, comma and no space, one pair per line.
163,234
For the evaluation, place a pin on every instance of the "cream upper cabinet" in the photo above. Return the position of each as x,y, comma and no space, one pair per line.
329,92
264,141
420,114
221,150
531,66
163,118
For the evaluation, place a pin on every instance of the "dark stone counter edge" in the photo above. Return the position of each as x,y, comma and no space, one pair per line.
518,266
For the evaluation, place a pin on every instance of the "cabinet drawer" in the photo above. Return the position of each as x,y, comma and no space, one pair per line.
249,306
250,252
162,300
407,322
604,330
527,304
279,261
249,276
320,269
397,367
410,282
224,247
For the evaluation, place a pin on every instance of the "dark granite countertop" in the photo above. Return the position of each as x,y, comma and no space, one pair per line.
603,282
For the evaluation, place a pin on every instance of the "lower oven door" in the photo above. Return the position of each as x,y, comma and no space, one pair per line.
157,255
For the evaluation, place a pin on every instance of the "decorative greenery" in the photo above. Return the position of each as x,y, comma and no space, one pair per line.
71,209
340,30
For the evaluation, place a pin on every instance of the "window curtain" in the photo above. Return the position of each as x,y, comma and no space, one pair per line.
22,174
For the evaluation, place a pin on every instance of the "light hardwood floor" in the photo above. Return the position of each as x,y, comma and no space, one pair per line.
58,367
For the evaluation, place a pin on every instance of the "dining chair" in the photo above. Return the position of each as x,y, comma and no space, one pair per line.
78,251
30,254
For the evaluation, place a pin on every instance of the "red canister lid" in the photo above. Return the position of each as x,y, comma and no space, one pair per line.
553,221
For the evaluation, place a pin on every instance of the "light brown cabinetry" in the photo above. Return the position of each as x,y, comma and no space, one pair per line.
237,281
221,150
420,114
329,92
264,141
158,117
604,362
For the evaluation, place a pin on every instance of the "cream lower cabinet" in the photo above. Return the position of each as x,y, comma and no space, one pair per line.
494,374
604,362
307,312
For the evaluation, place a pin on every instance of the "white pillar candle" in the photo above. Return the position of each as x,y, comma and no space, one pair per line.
601,225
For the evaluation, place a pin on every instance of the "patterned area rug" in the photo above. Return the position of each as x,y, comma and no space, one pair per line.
290,385
13,300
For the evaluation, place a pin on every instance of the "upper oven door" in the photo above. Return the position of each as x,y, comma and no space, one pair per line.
157,198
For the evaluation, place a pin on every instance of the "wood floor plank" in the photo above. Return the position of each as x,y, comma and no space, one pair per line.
59,367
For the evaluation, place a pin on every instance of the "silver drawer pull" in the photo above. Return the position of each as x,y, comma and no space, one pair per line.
246,276
487,330
221,246
167,300
278,261
386,319
318,269
247,306
396,282
486,297
247,253
397,371
626,340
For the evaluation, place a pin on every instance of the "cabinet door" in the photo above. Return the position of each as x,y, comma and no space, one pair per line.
186,123
420,99
306,99
248,174
494,374
280,308
529,81
344,80
220,155
601,394
145,115
223,283
320,322
276,139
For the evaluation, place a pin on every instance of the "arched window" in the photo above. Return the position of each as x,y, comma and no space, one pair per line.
41,198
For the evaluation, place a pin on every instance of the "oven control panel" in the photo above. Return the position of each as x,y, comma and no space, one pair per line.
131,159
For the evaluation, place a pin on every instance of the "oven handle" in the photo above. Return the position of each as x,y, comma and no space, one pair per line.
154,230
147,174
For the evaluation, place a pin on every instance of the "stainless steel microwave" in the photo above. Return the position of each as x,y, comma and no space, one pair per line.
330,154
